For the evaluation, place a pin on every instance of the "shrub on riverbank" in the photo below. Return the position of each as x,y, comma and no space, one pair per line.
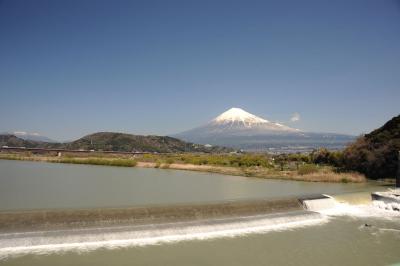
11,157
333,177
306,169
99,161
233,160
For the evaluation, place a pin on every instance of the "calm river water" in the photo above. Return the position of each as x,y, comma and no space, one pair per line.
36,185
338,237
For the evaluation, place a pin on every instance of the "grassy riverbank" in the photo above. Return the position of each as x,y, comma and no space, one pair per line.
78,160
250,165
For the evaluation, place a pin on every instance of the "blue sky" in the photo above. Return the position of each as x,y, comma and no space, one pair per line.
69,68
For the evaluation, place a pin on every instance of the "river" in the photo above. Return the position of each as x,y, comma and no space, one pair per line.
37,185
336,236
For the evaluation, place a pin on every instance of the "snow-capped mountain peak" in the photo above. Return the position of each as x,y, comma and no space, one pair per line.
239,129
237,117
240,116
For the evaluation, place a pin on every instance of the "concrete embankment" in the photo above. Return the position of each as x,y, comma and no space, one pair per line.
84,218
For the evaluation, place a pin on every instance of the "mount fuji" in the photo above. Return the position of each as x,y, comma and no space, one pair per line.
239,129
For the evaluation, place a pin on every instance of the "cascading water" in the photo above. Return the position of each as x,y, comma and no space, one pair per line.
317,204
44,242
387,205
351,204
318,210
390,199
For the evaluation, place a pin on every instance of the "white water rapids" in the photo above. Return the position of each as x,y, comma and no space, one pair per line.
81,240
45,242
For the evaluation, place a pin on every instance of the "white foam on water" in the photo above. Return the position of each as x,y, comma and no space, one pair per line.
363,210
83,240
389,206
45,244
329,207
319,204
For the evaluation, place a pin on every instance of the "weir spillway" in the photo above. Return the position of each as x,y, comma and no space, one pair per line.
82,218
58,219
42,231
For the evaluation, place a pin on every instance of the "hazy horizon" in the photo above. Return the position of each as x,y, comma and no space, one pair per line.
295,116
73,68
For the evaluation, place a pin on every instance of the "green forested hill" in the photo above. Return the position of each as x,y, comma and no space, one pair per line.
126,142
111,141
376,154
13,141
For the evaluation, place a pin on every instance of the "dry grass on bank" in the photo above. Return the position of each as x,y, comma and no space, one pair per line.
309,173
331,177
91,161
98,161
324,174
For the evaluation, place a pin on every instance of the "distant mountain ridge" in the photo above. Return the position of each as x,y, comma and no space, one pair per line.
127,142
29,136
239,129
13,141
112,141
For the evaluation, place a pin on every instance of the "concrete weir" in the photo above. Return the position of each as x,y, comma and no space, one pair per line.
317,202
17,221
